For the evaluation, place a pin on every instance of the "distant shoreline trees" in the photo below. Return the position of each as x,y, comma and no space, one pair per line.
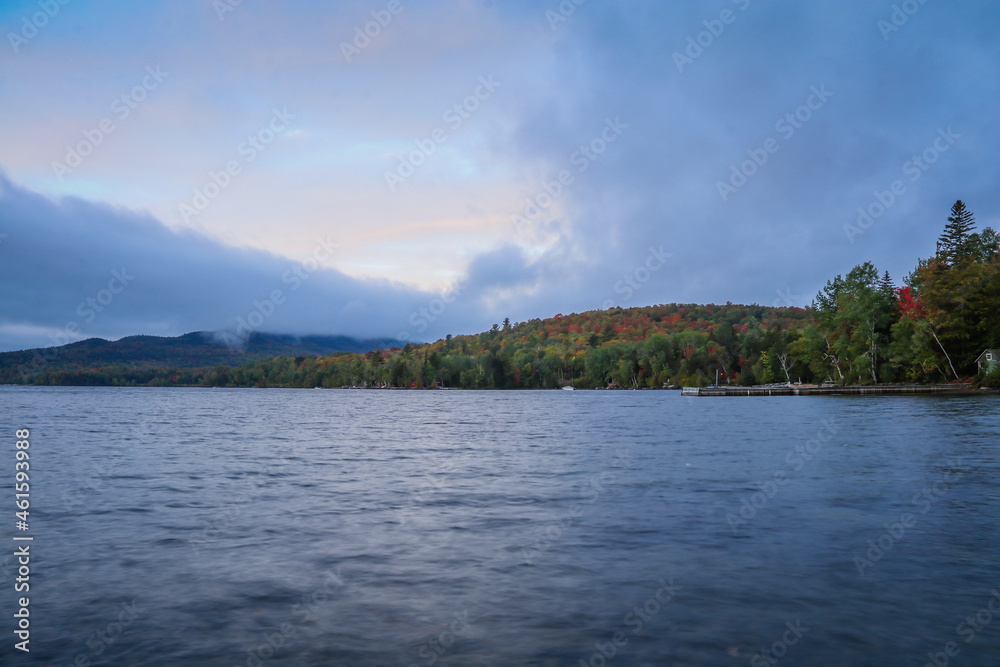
860,329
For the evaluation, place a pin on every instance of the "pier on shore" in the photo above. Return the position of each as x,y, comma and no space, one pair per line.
829,390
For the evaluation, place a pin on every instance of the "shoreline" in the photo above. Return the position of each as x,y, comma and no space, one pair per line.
962,389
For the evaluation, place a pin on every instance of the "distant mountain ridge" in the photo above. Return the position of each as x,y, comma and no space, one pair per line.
195,350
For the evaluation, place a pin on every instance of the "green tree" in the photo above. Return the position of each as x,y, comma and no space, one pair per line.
601,363
953,244
856,314
984,245
762,369
955,297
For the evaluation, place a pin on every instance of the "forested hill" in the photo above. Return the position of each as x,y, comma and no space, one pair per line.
644,346
862,328
626,347
197,350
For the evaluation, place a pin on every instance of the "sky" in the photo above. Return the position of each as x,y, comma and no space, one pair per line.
408,170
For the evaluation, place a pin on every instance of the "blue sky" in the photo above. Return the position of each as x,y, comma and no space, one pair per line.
469,161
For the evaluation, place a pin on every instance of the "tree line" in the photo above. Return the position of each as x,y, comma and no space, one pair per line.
860,329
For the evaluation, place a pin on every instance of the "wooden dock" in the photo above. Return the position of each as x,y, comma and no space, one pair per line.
830,390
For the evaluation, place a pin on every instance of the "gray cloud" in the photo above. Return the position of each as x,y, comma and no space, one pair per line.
783,228
780,233
71,264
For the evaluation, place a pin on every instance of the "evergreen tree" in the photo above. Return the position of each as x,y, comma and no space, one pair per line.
953,245
887,287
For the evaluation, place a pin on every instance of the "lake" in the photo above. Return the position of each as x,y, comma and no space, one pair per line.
336,527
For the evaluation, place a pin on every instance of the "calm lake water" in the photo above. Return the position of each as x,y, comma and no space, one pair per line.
307,527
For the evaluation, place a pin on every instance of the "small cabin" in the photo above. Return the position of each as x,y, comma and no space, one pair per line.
988,361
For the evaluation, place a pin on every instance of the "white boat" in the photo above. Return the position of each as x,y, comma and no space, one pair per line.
568,388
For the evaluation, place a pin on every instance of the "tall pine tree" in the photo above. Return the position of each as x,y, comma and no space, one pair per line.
887,287
953,245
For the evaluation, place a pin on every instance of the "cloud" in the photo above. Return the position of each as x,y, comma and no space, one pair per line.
656,184
784,226
503,268
93,270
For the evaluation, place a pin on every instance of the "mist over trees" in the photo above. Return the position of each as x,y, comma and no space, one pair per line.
860,329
